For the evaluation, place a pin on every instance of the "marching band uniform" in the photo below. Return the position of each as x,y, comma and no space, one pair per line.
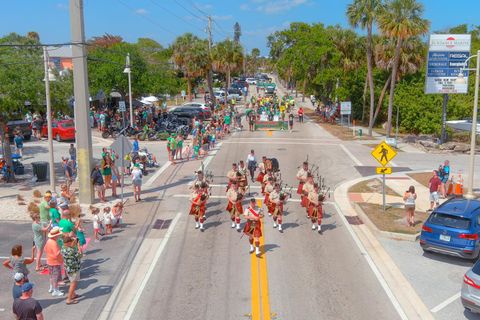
253,227
276,207
261,174
267,176
242,180
234,206
198,207
232,176
315,210
306,189
268,191
302,177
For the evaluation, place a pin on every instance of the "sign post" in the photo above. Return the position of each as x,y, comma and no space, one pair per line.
383,153
346,109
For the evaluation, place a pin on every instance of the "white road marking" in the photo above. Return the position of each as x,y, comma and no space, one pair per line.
354,159
446,303
284,142
153,264
256,198
2,310
157,174
372,265
209,158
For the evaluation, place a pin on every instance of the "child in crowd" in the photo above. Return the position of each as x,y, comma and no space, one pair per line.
107,220
96,223
80,233
17,262
117,212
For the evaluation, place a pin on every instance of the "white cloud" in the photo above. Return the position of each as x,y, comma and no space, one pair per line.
141,11
203,6
272,7
244,7
226,17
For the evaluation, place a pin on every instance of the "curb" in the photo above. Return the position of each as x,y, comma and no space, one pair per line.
386,234
401,293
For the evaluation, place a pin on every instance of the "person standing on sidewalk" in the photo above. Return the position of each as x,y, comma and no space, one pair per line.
71,259
434,185
27,307
444,175
409,197
54,261
18,139
137,181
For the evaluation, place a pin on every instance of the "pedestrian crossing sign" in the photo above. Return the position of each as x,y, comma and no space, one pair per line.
383,153
384,170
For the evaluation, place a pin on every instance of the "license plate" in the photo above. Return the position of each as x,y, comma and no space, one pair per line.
444,237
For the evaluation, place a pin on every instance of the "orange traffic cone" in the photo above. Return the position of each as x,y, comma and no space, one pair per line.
459,185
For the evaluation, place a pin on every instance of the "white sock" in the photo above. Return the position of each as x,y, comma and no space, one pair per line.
313,227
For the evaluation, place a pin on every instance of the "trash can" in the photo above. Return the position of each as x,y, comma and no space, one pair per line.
40,170
360,132
19,169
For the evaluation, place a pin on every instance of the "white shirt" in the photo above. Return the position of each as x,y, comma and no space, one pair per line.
96,221
107,218
250,157
136,174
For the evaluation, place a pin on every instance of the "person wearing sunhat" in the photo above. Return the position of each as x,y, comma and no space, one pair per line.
54,261
27,307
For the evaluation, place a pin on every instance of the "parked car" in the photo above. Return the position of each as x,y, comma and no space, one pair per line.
62,130
191,112
220,96
470,294
201,105
234,93
453,229
251,81
19,124
270,91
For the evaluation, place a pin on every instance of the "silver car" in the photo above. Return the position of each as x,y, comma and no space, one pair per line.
471,289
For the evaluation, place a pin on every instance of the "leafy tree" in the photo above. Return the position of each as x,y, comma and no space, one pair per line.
190,54
227,58
401,20
237,32
364,13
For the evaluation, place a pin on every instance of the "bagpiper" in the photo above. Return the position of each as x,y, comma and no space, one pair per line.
198,207
302,177
277,200
306,189
268,189
253,227
315,208
232,175
262,172
234,207
242,177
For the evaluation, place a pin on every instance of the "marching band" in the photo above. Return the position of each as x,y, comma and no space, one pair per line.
275,195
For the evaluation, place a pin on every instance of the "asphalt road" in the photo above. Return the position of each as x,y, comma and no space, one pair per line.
301,274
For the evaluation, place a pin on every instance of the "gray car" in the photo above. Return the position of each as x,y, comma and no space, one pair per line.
471,289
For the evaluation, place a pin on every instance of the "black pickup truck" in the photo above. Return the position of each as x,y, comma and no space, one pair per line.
19,124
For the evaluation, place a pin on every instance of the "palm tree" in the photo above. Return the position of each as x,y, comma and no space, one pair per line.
190,55
411,59
363,13
227,57
400,20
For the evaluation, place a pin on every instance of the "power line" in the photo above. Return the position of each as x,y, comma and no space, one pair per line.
196,7
177,16
219,28
147,18
189,11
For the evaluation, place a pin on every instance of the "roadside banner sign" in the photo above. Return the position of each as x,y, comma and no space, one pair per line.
383,153
121,106
447,54
345,108
384,170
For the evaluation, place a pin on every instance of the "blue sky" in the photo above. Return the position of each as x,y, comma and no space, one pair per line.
163,20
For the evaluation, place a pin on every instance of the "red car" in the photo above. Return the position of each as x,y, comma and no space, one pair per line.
61,130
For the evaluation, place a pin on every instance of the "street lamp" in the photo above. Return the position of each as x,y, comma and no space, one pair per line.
128,71
461,80
49,76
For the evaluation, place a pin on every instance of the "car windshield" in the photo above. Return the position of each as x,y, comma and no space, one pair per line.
68,124
450,221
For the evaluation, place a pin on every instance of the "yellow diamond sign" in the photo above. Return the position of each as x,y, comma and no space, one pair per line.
384,170
383,153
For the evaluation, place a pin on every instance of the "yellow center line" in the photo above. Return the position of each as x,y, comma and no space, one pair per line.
260,296
264,279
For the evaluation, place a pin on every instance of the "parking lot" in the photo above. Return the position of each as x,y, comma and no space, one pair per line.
436,278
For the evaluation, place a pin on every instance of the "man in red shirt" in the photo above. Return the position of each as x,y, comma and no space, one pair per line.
300,115
433,185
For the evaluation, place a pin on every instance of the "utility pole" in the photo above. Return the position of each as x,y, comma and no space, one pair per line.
51,160
83,134
210,71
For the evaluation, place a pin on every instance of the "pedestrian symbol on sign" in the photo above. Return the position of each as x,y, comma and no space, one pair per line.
383,153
